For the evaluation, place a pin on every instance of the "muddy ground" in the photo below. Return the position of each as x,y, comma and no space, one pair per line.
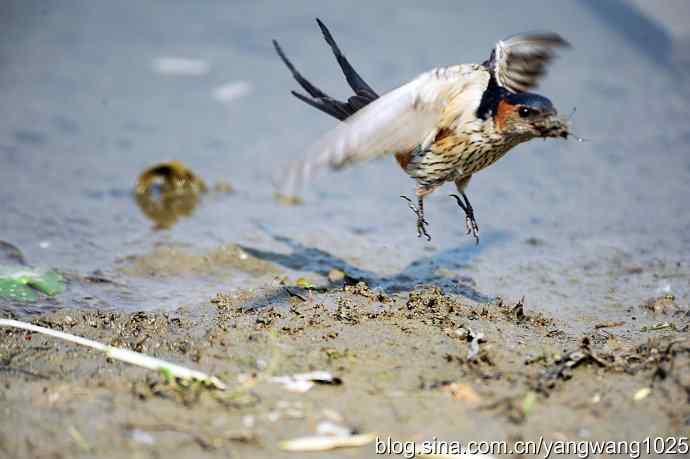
409,365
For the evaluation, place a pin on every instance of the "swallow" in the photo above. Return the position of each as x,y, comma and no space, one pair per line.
443,126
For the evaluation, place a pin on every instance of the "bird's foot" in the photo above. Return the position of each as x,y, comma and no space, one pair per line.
471,226
421,221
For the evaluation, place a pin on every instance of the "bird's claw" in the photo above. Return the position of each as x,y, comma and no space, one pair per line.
471,226
421,221
421,229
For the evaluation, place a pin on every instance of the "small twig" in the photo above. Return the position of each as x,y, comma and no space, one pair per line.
125,355
608,325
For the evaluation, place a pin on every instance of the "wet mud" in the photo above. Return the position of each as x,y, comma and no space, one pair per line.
412,366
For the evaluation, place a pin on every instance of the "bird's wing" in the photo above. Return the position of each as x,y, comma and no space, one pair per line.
520,61
398,121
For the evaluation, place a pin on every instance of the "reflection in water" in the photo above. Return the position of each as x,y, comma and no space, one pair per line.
11,255
168,191
165,209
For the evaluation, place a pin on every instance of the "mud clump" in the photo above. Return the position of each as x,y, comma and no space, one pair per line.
664,305
362,289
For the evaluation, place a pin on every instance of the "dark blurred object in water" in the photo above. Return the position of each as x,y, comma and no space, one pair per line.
168,191
10,255
170,177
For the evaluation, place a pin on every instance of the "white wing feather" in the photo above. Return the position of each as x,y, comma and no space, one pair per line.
396,122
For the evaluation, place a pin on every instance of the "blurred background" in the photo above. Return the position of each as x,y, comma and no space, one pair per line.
94,92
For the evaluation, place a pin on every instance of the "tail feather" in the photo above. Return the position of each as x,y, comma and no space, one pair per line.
327,105
358,102
319,99
358,85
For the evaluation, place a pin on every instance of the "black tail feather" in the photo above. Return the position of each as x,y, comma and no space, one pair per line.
322,101
310,88
358,85
326,104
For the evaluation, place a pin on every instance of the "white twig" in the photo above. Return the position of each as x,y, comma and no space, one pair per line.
125,355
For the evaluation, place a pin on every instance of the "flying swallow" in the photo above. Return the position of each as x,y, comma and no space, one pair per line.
443,126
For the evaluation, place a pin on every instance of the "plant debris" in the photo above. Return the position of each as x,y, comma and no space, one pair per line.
329,436
302,382
659,326
642,394
562,368
167,369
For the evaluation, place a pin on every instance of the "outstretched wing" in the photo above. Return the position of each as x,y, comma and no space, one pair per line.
322,101
520,61
398,121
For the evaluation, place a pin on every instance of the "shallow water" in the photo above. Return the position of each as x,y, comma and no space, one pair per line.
582,230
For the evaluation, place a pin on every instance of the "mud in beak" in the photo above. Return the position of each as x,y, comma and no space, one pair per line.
553,126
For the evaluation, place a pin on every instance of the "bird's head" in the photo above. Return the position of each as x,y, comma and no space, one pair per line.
526,116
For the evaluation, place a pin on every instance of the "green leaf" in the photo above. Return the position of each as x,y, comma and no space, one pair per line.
49,282
166,373
528,403
16,290
21,283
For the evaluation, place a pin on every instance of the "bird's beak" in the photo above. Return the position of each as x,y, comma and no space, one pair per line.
553,126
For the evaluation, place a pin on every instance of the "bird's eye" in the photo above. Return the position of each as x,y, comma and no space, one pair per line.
525,112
